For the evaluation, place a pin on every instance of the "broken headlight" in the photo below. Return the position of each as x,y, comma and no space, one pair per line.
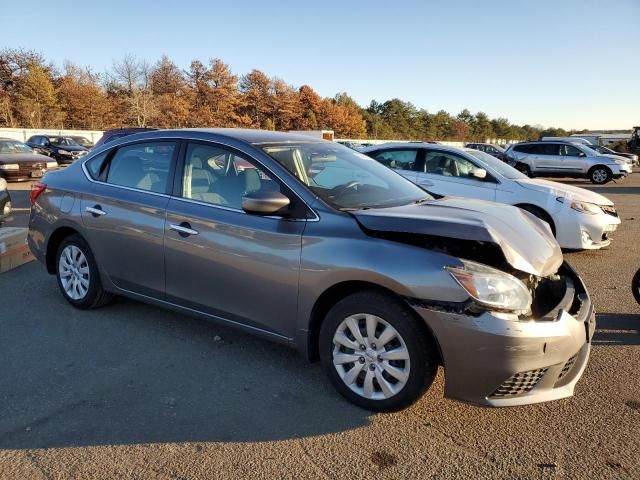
491,287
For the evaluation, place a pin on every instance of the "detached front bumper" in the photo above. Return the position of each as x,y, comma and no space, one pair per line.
499,362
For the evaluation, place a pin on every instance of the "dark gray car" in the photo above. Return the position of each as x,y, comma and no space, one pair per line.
314,245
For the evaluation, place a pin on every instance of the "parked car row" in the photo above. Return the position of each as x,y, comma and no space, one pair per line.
312,244
567,159
563,157
18,161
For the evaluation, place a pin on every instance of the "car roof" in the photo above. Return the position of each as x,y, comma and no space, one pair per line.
249,136
552,141
425,145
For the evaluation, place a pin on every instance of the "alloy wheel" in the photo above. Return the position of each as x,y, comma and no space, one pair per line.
600,175
74,272
370,356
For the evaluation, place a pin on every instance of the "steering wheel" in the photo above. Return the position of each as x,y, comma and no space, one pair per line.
342,189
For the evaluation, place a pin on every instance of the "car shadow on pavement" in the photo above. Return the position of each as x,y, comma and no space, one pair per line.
617,329
131,373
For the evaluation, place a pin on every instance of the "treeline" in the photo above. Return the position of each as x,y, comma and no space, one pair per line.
34,93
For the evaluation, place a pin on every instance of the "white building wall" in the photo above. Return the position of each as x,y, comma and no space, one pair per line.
23,134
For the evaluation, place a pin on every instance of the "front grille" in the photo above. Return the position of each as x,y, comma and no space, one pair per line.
609,210
519,384
568,366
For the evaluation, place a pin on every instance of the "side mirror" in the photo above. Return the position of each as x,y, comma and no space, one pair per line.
264,203
479,173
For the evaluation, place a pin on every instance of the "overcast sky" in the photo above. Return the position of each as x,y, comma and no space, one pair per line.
565,63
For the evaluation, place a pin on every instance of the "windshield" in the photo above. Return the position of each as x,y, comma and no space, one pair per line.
13,146
344,178
81,141
497,165
63,141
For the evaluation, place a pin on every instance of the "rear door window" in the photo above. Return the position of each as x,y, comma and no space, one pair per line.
549,149
143,166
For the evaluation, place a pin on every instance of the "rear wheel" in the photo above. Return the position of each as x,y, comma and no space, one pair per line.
523,168
78,276
600,175
376,353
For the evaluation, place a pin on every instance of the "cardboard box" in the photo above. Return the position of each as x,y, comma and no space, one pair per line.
14,250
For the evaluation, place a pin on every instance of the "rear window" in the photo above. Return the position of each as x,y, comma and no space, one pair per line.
529,148
144,166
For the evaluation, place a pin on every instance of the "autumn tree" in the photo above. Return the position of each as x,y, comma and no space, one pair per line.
256,90
169,90
132,78
83,101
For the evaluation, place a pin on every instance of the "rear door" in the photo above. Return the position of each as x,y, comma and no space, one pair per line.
447,173
124,213
547,158
403,160
223,261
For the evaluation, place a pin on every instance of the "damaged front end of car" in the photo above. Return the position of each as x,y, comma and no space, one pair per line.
523,334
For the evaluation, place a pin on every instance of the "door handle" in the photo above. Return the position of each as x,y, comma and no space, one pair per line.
184,229
96,211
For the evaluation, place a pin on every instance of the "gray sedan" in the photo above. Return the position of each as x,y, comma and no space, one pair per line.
317,246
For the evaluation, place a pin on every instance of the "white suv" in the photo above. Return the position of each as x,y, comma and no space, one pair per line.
566,159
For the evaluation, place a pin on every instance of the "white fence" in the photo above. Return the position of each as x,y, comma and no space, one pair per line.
23,134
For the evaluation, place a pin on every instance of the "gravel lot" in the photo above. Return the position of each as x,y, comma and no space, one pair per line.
133,391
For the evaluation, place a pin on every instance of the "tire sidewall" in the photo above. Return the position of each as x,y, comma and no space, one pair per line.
524,169
606,170
421,349
635,286
94,279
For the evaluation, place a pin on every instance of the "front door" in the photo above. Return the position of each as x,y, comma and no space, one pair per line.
446,173
222,261
573,159
124,214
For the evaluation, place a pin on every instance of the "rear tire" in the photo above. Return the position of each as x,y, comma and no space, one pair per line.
398,362
523,168
78,276
599,175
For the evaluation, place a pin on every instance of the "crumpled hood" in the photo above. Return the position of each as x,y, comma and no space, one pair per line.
24,157
526,242
561,190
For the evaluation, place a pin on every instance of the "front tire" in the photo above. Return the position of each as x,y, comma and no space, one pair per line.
599,175
376,353
635,286
78,276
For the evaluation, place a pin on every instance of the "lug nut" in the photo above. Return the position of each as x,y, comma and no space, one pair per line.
373,345
361,359
372,367
379,358
362,347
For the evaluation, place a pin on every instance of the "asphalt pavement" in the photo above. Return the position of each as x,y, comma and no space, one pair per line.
134,391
